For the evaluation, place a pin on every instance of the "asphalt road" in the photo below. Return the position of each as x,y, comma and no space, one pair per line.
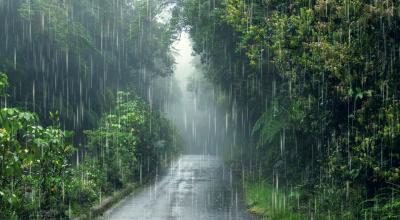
196,187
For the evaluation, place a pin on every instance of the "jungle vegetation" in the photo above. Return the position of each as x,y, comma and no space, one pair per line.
312,89
80,117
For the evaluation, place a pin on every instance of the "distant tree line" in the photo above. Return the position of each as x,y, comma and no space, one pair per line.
72,56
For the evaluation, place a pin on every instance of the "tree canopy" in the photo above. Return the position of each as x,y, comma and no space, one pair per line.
318,86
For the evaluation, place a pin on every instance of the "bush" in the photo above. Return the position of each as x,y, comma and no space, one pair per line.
34,164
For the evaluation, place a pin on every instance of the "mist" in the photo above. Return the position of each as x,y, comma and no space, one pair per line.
199,109
195,112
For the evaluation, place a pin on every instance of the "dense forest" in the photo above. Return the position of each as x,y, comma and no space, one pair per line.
306,102
78,118
312,89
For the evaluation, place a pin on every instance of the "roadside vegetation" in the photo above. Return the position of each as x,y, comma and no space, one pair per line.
269,202
308,95
311,97
80,110
38,179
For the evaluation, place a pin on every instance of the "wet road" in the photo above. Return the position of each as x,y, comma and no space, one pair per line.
196,187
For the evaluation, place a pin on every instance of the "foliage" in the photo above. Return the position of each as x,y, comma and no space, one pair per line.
271,203
37,179
34,166
3,84
129,138
270,124
386,205
330,68
86,186
68,55
71,58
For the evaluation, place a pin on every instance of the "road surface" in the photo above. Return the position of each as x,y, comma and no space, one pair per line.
195,187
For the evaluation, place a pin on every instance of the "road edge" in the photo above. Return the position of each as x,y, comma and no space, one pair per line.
110,201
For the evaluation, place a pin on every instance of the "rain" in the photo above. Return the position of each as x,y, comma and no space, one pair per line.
199,109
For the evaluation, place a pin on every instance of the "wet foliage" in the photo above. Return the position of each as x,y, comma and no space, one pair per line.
301,98
132,142
34,164
38,179
73,56
314,93
66,64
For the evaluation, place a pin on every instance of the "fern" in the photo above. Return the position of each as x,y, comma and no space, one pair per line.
268,126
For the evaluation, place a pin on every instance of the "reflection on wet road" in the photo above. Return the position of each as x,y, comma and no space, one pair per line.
196,187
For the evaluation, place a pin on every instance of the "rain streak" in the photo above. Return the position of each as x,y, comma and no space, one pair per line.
199,109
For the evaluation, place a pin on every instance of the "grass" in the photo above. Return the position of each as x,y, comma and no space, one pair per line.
270,203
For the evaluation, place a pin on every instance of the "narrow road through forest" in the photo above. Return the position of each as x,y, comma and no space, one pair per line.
195,187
